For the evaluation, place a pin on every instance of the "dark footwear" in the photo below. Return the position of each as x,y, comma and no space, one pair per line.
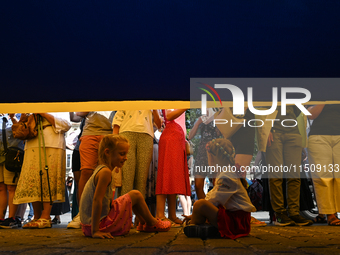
55,221
202,231
334,222
300,221
319,219
11,223
283,220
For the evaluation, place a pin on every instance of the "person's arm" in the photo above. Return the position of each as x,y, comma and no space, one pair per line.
102,180
315,111
174,114
82,114
194,129
157,119
60,124
117,121
13,118
115,129
75,118
270,139
49,117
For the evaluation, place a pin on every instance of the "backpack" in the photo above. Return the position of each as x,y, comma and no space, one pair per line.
255,191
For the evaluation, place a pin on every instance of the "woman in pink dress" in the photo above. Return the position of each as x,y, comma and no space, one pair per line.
173,175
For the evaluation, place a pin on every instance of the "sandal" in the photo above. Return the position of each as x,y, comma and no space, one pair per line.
42,223
140,227
334,222
29,224
160,226
173,224
320,219
257,223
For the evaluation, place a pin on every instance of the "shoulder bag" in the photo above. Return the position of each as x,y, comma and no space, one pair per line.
14,156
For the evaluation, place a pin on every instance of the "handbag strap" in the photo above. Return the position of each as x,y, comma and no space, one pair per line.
4,138
41,134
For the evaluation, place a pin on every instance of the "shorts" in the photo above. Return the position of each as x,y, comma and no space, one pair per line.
7,176
88,150
118,221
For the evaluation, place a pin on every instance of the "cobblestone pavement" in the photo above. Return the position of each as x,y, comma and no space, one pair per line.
316,239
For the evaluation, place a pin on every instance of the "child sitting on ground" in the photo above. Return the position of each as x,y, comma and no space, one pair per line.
227,206
100,215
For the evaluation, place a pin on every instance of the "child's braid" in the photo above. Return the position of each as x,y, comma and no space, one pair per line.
223,149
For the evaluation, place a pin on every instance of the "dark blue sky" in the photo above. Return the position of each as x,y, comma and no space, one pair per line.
148,50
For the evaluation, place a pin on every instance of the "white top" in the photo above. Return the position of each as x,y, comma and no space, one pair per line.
97,123
229,192
53,136
134,121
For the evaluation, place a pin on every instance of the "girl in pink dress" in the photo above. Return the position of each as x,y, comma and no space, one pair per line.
173,175
100,215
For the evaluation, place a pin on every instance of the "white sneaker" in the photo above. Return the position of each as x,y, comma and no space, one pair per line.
75,223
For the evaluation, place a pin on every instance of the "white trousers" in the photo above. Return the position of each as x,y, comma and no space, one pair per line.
324,163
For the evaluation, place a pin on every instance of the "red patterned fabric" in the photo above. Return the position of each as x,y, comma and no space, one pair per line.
173,173
118,221
233,224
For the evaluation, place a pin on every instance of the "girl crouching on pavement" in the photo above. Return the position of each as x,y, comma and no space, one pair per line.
227,206
100,215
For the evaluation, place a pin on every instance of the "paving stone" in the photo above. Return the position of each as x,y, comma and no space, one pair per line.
321,251
104,247
225,243
186,248
186,253
232,251
143,251
272,248
250,240
45,251
150,243
87,253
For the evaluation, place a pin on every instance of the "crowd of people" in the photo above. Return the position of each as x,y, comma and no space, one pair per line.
119,151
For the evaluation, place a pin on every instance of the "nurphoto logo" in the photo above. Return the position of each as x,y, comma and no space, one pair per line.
238,99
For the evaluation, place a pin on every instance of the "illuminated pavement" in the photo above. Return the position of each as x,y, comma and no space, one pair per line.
316,239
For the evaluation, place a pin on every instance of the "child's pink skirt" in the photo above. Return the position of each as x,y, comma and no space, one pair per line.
118,221
233,224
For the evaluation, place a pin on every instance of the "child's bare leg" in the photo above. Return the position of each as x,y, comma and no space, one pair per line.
140,208
202,211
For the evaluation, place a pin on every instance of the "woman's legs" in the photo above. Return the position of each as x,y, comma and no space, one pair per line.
199,185
12,207
39,213
189,204
140,208
172,208
160,206
184,204
3,200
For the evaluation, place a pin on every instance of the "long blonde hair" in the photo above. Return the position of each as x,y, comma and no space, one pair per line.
223,149
110,142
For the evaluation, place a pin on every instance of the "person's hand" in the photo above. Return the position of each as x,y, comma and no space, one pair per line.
270,139
102,235
187,219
